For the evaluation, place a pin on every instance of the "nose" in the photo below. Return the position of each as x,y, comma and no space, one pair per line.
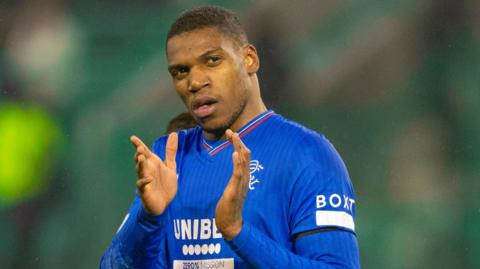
198,80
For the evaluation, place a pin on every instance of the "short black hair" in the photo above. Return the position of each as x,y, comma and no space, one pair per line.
222,19
182,121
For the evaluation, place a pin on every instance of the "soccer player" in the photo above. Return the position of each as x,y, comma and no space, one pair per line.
247,188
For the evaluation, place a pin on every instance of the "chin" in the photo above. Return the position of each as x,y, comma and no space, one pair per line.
216,127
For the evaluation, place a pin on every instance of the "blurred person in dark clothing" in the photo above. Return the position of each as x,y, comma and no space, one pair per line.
182,121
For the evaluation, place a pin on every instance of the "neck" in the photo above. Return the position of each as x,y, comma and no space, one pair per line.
253,108
248,114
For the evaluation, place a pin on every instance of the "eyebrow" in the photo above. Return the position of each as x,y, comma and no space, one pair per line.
207,52
176,66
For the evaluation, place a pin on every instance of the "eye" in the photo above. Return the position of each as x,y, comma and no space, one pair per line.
214,60
179,72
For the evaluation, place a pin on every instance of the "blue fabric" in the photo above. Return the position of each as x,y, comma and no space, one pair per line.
139,242
298,183
324,249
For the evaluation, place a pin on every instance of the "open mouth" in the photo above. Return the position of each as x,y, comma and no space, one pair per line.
204,107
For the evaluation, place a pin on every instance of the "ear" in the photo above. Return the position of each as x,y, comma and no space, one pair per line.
251,60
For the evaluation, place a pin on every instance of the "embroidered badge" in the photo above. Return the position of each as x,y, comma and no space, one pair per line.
255,166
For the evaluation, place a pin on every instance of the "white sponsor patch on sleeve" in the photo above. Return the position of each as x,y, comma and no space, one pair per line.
204,264
334,218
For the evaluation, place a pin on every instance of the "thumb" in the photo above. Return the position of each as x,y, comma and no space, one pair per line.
171,151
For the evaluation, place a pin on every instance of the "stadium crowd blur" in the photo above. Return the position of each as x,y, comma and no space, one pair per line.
395,85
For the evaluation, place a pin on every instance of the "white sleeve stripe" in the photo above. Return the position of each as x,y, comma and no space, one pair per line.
123,222
335,218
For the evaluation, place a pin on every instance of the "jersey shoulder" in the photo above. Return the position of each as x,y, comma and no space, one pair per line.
308,147
298,136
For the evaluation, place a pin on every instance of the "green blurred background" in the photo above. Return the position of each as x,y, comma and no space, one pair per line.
395,85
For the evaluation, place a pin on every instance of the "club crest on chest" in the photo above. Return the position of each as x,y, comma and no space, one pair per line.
255,167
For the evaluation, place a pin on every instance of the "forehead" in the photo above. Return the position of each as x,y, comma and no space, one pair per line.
195,43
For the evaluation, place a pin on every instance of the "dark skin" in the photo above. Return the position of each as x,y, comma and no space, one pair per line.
216,79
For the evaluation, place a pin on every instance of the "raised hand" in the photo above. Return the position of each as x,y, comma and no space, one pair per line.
228,214
156,179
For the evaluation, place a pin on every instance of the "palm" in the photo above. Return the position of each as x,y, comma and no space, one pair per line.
228,214
157,179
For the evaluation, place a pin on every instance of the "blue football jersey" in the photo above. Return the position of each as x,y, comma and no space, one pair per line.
299,188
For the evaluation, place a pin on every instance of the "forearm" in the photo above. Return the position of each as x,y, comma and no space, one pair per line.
138,243
259,251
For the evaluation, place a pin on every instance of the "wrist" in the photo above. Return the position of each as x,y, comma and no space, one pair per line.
242,239
146,218
232,231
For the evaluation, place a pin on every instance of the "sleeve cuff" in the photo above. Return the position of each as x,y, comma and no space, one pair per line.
241,239
151,222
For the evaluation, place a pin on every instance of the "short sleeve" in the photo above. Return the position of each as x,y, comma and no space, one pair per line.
322,193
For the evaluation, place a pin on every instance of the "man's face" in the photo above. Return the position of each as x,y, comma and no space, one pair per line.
209,74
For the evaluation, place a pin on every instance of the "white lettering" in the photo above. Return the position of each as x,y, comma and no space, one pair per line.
205,228
337,203
351,203
226,263
216,233
188,229
176,228
335,200
186,225
195,229
345,204
321,201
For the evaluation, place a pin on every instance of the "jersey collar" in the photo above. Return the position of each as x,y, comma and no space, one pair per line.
213,147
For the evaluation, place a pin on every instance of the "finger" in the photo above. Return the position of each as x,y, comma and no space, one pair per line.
240,147
237,165
245,151
137,142
235,140
228,134
238,183
135,156
233,184
141,160
139,145
142,182
171,151
244,160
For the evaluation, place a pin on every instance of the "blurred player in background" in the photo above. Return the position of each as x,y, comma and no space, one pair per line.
246,188
182,121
